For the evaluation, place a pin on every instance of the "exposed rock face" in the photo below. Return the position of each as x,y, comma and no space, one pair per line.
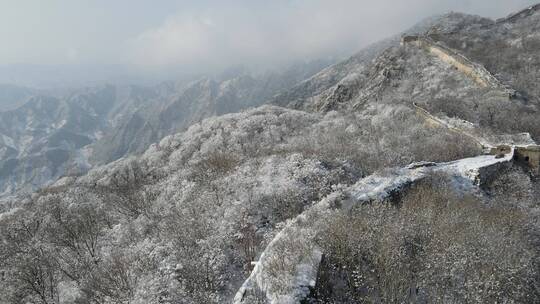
399,74
447,75
366,72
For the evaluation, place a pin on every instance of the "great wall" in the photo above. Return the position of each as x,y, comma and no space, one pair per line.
469,173
521,14
500,151
527,151
478,73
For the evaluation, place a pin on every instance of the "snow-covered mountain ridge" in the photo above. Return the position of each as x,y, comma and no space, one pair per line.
375,188
51,136
367,184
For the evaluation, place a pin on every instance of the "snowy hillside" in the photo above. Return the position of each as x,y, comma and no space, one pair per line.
405,174
53,135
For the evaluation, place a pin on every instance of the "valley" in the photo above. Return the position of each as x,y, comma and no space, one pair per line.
406,173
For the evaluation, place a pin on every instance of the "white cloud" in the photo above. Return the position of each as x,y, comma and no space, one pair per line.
174,41
275,32
233,36
72,55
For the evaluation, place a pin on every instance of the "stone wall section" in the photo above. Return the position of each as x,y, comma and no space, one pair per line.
478,73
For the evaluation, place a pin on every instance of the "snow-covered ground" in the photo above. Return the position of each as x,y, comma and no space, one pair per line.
470,167
372,188
8,141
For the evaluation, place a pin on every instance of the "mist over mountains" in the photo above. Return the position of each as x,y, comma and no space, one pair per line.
407,172
52,134
83,44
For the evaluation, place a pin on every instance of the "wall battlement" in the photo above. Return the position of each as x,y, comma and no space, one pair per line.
525,155
529,155
476,72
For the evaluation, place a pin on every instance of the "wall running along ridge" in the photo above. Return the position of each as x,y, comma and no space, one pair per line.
475,71
469,172
437,122
525,154
523,13
528,155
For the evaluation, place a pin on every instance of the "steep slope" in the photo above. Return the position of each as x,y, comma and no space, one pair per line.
185,220
46,137
508,48
12,96
427,72
330,78
226,93
52,135
195,209
312,197
202,161
304,260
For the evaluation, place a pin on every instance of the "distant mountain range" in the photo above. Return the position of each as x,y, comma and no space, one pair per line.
48,134
45,135
407,173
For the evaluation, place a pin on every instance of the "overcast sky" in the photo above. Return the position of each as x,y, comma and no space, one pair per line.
165,33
